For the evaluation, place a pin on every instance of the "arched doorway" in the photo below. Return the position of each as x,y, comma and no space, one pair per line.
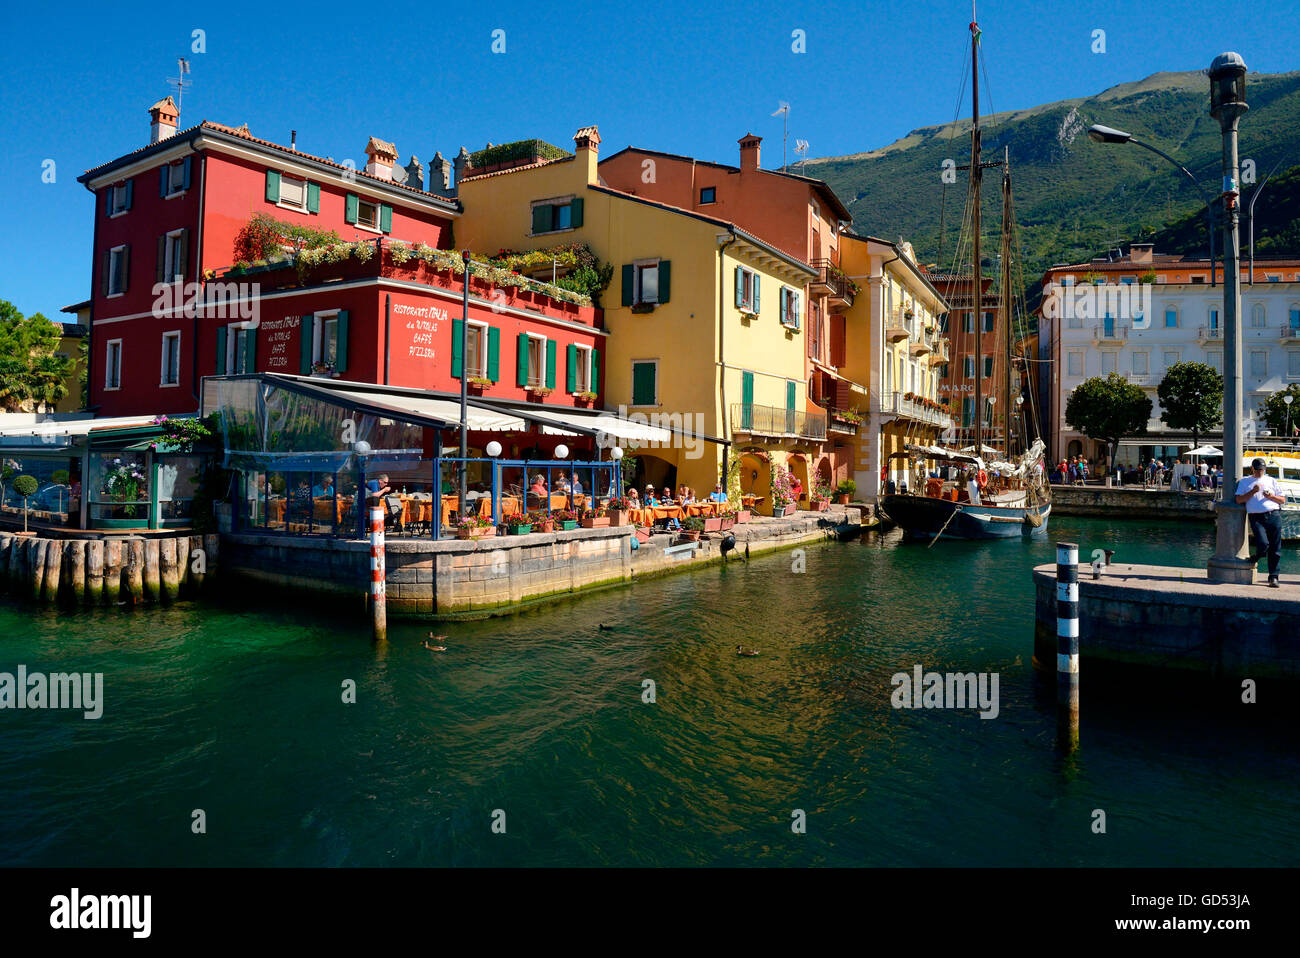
755,474
652,470
797,463
824,472
1074,449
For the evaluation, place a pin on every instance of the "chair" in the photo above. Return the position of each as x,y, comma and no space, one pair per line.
393,511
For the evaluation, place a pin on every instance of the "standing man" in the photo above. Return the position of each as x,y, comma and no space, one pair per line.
1263,500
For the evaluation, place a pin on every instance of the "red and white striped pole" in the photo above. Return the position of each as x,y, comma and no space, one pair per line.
378,593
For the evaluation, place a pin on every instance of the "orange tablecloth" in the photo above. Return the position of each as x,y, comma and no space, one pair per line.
452,503
647,515
704,508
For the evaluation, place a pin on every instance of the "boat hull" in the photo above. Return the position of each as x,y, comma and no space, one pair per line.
922,517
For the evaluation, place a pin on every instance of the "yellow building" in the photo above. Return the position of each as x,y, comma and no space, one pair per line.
74,334
705,320
895,345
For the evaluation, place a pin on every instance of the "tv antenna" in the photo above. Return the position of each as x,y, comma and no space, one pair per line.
181,80
801,149
783,111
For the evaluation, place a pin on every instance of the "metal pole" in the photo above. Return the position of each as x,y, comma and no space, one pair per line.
462,485
378,592
1067,641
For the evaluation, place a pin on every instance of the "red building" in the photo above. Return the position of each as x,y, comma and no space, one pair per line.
172,304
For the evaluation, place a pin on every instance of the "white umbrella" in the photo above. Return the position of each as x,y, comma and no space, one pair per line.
985,450
1205,451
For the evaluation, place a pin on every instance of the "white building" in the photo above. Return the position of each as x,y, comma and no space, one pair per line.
1139,314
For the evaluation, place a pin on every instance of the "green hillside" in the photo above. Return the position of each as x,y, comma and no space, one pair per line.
1076,198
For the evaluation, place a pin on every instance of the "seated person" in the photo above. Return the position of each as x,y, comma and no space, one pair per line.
323,489
561,483
633,499
667,496
378,486
576,487
717,495
650,498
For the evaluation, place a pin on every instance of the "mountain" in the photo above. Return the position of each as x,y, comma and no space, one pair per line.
1075,198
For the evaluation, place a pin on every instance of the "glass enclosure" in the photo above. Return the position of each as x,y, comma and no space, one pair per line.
57,500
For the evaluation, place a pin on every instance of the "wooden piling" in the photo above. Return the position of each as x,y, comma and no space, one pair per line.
168,574
134,559
196,576
94,572
16,580
152,571
182,564
112,571
6,543
212,551
36,567
53,570
75,553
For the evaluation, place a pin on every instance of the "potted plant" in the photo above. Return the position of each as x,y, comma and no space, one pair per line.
642,534
475,527
594,519
713,523
691,529
585,399
565,519
783,503
727,520
519,524
322,369
845,490
477,384
619,511
543,522
26,487
820,499
539,392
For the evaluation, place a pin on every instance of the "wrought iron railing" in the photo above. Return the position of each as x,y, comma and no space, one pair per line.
775,421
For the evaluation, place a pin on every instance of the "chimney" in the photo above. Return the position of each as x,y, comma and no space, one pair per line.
1141,252
163,114
586,143
749,152
462,166
415,174
382,157
439,175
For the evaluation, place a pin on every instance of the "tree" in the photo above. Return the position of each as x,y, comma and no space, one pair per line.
1191,395
1282,419
32,373
1108,409
26,487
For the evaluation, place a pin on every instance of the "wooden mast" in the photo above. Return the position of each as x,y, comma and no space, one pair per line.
976,175
1005,281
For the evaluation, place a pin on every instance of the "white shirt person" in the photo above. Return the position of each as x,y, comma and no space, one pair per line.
1264,491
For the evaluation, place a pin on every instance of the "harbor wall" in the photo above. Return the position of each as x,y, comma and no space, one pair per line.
1175,619
500,574
1131,503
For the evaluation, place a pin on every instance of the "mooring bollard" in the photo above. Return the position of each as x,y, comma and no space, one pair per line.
1067,640
378,592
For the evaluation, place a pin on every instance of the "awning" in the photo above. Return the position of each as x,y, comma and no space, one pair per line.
606,423
72,428
477,417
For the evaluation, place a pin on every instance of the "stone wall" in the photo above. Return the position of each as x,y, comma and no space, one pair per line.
1130,503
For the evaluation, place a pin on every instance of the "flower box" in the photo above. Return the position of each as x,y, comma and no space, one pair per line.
689,535
620,517
595,522
819,505
742,516
567,524
713,524
547,525
520,530
787,510
727,522
642,534
475,532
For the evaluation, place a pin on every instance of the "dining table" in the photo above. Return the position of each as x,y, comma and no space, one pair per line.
647,515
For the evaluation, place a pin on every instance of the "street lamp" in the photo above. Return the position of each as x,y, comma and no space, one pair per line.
1288,399
1231,560
1106,134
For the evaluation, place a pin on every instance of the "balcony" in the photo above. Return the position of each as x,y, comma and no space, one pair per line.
1290,334
899,405
776,422
830,282
1209,334
842,422
1109,333
920,347
897,327
939,355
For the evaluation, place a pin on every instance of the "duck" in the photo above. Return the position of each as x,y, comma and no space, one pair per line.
606,628
435,648
749,653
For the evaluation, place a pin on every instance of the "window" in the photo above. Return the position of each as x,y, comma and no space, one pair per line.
708,194
1126,280
1272,277
237,348
293,193
988,322
1107,362
115,275
1171,359
174,178
789,308
476,350
113,365
943,371
1067,280
1171,318
988,366
1215,359
584,378
118,198
647,283
1214,319
1075,320
1293,364
1257,315
967,411
747,290
1074,363
171,359
550,216
1141,364
172,250
645,383
1198,279
1293,318
325,342
968,367
367,214
363,213
536,361
1258,363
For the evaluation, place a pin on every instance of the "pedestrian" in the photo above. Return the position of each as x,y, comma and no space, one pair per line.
1263,500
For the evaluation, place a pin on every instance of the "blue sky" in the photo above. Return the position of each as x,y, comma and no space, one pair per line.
682,77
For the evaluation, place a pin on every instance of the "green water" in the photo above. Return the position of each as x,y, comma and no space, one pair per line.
238,711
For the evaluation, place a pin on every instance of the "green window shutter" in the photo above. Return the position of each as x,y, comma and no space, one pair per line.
160,276
221,350
250,351
350,208
595,370
304,354
457,355
629,280
183,270
664,276
273,186
550,363
740,287
747,388
521,360
790,395
575,212
385,218
756,301
341,351
571,368
130,190
494,354
108,200
164,175
105,274
643,384
543,217
313,197
185,173
126,268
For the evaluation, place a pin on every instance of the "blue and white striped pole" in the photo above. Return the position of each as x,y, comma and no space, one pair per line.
1067,640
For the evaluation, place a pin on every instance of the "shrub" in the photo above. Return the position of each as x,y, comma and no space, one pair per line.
847,487
26,485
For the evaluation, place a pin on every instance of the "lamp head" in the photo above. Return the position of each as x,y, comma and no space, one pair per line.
1228,84
361,447
493,449
1107,134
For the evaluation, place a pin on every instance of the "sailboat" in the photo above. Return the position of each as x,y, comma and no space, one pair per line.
984,497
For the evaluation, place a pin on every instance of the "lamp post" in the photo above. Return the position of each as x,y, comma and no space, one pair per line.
1106,134
1231,561
462,484
1288,399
